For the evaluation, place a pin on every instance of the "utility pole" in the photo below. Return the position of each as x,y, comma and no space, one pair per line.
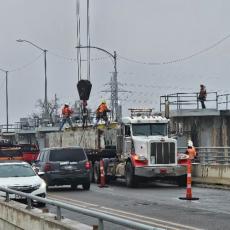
46,113
7,107
115,92
115,85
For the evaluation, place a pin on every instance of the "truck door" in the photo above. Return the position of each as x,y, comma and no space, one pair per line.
127,143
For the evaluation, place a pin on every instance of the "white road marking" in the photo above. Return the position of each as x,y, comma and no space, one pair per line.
148,222
132,216
82,203
150,218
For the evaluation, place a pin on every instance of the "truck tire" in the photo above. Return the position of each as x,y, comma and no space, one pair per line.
182,181
130,179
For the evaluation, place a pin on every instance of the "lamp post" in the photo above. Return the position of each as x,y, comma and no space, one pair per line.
45,67
115,87
7,110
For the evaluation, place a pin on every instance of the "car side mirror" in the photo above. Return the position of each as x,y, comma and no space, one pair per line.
40,173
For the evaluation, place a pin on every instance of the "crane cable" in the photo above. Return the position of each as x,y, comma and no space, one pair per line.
88,42
78,40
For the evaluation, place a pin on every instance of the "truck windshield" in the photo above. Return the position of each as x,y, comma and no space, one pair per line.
149,129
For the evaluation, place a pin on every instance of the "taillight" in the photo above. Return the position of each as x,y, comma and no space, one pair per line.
87,165
47,167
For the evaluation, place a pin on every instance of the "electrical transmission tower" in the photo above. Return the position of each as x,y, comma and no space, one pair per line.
114,90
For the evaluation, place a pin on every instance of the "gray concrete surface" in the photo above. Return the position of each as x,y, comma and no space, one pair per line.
157,204
15,216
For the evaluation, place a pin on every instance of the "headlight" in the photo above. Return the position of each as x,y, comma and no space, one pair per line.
37,186
43,184
182,156
139,158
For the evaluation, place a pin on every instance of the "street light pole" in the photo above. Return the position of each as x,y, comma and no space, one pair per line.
7,108
45,67
114,56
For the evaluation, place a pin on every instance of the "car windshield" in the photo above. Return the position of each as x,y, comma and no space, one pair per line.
150,129
16,170
74,154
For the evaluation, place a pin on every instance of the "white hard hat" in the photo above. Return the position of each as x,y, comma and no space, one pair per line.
190,143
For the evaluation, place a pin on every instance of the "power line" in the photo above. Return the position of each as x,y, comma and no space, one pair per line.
215,44
75,59
20,68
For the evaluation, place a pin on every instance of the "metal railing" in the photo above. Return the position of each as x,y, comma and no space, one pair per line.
179,101
211,155
95,214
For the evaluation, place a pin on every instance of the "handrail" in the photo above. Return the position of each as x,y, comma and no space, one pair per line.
99,215
211,155
180,101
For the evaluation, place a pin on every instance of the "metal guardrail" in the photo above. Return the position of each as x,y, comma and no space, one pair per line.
211,155
178,101
98,215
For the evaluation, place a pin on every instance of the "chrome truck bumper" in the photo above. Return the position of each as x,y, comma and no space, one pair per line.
161,171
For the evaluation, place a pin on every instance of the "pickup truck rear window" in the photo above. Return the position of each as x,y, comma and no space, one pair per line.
67,155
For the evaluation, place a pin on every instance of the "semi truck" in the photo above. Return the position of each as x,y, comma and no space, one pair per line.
137,149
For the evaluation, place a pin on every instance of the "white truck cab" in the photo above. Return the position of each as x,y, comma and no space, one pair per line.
148,150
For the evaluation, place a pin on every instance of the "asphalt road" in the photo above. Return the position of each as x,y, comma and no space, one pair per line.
155,204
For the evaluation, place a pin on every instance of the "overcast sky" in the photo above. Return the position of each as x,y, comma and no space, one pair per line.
141,30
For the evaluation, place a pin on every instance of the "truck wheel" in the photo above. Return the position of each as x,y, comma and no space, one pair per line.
131,180
182,180
96,173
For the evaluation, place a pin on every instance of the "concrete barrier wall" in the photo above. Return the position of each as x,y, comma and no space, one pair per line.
14,216
86,139
211,174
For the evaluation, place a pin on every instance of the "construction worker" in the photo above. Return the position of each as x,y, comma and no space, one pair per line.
85,114
202,96
191,151
101,113
66,116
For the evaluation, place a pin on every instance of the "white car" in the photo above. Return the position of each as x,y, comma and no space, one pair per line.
20,176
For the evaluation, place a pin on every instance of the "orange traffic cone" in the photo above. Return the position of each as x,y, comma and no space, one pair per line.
102,175
189,183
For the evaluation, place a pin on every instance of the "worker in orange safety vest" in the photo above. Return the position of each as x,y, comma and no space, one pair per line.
191,151
66,116
101,113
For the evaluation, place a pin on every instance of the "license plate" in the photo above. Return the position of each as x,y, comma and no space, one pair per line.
163,171
69,167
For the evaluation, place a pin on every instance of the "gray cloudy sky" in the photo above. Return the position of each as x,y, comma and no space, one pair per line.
143,30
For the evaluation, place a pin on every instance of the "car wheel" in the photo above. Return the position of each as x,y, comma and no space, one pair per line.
131,180
86,186
73,186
